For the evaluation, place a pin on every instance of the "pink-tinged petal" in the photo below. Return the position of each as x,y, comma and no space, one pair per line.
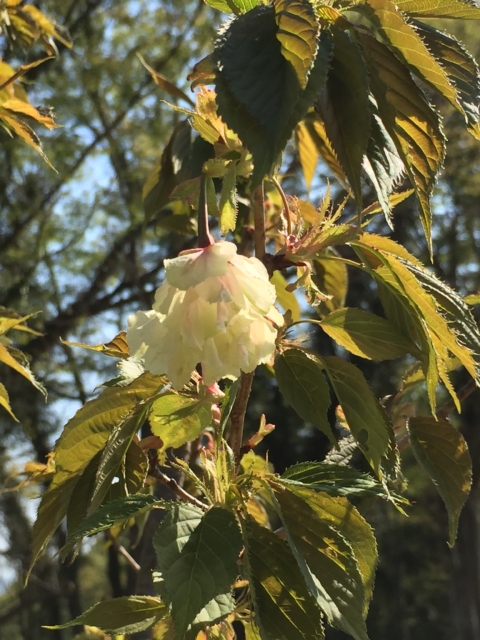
192,268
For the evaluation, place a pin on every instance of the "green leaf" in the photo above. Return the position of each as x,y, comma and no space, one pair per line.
129,614
233,6
83,437
258,92
443,453
461,9
303,386
344,107
53,508
197,555
112,513
411,122
177,419
331,277
284,607
286,299
297,33
366,335
472,299
228,200
82,494
409,47
346,519
365,419
461,69
334,479
327,563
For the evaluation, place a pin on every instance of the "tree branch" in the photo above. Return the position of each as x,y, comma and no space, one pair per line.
237,416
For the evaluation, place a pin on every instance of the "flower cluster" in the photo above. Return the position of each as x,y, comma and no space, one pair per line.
215,308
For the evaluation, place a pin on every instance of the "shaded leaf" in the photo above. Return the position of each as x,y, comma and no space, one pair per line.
129,614
334,479
197,555
443,453
112,513
367,423
284,607
345,108
303,386
327,563
331,277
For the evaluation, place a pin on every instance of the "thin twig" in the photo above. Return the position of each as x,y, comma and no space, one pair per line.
462,395
237,417
175,487
120,549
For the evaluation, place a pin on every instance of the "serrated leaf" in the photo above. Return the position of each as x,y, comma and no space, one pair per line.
307,153
345,109
112,513
17,361
128,614
314,139
382,165
5,401
461,69
286,299
443,453
83,437
347,520
303,386
116,348
284,607
411,122
409,47
297,32
233,6
178,419
334,479
228,200
366,335
366,421
327,563
82,494
461,9
197,555
116,448
258,93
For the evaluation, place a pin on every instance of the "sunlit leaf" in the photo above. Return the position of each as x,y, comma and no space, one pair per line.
5,401
462,9
286,299
129,614
177,419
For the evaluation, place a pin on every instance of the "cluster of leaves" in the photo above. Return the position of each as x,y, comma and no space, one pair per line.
13,357
284,555
24,26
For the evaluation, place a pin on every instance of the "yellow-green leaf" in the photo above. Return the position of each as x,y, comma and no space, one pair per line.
177,419
412,123
228,200
286,299
297,33
366,335
5,402
443,453
461,9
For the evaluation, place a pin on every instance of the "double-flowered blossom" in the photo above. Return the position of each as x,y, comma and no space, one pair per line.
215,308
